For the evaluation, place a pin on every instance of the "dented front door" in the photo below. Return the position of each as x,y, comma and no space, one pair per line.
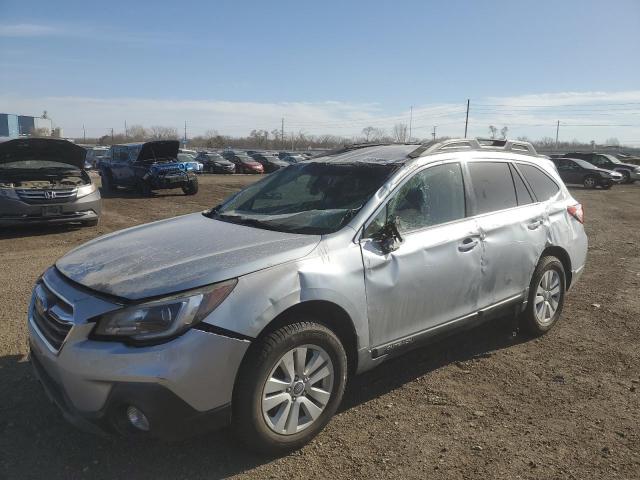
432,278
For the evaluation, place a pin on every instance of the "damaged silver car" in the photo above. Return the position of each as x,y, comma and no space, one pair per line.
43,180
324,269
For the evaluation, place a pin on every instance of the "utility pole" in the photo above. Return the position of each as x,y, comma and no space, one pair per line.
292,139
557,131
410,122
112,136
185,133
466,121
84,134
282,133
125,130
434,133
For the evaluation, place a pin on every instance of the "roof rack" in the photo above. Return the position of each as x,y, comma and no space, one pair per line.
477,144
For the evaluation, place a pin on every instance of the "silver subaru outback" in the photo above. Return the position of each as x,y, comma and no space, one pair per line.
256,312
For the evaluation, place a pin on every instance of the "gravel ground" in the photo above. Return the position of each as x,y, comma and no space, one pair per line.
480,404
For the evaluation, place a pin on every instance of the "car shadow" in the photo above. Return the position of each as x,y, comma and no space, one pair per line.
33,428
132,194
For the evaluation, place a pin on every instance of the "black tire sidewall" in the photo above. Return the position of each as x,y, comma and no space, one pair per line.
590,177
247,404
531,323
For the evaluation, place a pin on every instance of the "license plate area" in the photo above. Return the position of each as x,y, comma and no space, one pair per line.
51,211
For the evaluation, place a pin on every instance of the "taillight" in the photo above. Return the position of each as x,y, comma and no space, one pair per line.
577,212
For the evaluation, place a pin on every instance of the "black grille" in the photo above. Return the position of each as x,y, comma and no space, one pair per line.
52,316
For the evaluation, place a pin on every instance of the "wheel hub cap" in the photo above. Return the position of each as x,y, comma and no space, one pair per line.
547,297
297,390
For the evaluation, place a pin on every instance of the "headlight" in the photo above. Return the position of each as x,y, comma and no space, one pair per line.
161,319
86,190
8,193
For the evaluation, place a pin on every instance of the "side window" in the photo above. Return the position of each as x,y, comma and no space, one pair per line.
493,186
542,185
432,196
598,161
522,194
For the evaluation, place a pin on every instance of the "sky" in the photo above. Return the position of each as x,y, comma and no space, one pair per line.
327,67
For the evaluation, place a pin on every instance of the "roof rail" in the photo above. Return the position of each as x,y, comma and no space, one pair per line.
474,144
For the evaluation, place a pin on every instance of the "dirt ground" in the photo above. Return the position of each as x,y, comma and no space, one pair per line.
478,405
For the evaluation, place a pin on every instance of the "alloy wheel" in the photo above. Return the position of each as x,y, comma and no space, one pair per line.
547,297
297,390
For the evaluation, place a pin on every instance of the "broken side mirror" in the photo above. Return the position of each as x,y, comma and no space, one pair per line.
388,238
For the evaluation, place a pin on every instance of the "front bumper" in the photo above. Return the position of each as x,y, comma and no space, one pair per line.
634,175
160,182
17,212
183,386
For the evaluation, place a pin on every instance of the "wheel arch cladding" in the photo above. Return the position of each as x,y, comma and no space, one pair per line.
562,255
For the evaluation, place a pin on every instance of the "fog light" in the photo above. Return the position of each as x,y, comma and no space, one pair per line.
137,418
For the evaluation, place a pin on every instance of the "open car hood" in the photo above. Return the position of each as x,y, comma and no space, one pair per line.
47,149
159,149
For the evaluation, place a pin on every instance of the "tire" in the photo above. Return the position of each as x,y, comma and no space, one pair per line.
606,186
260,430
590,182
91,223
107,181
191,188
626,176
144,188
550,271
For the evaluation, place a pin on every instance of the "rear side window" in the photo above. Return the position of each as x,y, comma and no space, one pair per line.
493,186
522,194
543,187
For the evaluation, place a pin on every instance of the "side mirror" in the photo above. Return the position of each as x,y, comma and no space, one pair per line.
388,238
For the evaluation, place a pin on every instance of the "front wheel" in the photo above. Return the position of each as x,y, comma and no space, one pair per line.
626,177
289,387
590,182
546,296
191,188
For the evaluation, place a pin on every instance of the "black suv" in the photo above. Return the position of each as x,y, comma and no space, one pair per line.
630,173
576,171
146,167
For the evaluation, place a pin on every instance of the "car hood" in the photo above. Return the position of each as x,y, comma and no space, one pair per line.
178,254
49,149
630,166
159,149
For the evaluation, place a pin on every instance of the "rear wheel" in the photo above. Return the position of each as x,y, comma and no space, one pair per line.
590,182
289,387
191,188
546,296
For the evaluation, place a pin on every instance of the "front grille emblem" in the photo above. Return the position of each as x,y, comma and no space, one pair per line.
49,195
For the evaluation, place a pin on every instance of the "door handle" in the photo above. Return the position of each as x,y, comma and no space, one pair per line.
467,244
535,224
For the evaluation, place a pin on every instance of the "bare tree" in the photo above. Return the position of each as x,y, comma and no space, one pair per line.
503,132
368,132
137,133
400,131
493,131
158,132
613,142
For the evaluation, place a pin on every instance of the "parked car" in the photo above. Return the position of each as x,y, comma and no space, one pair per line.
146,167
630,173
190,163
581,172
243,162
256,312
45,181
294,158
269,161
283,155
95,155
215,163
